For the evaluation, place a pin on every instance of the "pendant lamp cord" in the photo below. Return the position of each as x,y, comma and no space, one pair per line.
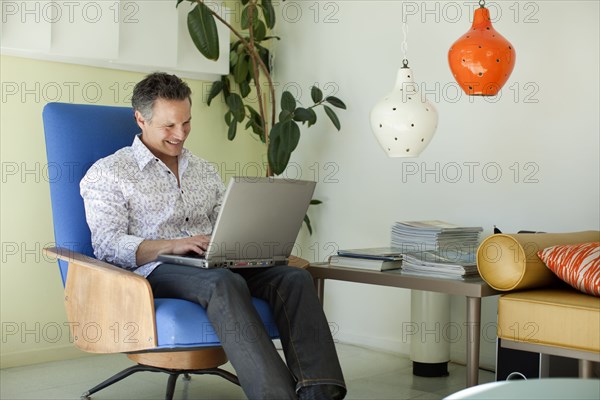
404,45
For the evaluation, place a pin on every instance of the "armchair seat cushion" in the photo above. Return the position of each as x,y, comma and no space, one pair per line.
181,324
559,317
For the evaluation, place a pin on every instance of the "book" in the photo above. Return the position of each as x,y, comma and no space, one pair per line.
373,264
376,253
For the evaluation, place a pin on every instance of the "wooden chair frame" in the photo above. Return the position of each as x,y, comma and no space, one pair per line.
111,310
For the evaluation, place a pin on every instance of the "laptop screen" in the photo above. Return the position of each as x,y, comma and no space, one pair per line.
260,219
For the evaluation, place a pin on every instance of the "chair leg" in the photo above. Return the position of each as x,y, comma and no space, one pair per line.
219,372
171,385
173,375
118,377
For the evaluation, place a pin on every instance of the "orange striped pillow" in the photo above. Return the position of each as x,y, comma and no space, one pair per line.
576,264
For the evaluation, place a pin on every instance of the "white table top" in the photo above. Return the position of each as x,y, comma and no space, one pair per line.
547,388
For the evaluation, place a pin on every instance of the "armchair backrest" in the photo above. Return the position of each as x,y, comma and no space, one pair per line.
78,135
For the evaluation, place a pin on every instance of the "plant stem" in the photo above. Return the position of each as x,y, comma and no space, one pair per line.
252,49
256,62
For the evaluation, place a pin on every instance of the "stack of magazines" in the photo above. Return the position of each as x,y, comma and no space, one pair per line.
413,236
441,264
437,248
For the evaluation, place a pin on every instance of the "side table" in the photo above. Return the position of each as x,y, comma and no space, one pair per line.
472,288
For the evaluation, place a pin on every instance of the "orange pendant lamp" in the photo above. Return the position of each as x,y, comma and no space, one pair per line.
482,59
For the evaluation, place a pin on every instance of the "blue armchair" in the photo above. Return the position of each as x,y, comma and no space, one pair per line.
109,309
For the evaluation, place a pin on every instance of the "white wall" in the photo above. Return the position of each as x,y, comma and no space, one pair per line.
541,133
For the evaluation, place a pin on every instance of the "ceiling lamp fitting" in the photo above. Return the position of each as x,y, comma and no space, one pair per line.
402,122
482,59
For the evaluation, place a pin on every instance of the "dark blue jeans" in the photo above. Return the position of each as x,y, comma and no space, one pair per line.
305,335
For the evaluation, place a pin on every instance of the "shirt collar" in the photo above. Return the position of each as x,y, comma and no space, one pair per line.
143,155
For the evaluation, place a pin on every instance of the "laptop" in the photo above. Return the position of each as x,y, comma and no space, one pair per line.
257,226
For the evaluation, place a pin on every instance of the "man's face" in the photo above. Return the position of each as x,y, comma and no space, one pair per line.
168,129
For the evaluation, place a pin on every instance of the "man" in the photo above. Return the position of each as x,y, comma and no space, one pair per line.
155,197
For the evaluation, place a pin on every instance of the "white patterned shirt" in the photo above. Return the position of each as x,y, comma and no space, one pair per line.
131,196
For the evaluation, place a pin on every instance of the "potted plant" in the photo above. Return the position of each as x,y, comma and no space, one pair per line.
249,59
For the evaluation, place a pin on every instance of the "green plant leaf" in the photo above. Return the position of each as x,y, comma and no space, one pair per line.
307,222
269,13
256,123
232,130
288,102
236,105
305,115
245,89
203,31
284,138
334,101
234,45
316,94
313,117
302,114
273,157
215,89
240,70
226,86
331,114
245,23
259,30
290,132
251,110
285,115
228,117
233,58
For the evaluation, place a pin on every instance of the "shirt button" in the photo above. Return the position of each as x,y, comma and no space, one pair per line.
187,219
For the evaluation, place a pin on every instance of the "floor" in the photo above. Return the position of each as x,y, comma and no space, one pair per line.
369,375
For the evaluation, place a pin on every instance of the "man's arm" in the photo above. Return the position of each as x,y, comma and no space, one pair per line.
107,216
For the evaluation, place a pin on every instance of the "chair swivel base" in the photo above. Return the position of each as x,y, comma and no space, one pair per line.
198,362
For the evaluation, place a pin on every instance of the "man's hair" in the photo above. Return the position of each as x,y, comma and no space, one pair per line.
158,85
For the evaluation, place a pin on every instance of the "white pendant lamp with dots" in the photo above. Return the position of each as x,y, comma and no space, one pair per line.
403,121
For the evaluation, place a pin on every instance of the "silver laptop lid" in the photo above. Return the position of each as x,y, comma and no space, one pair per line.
259,220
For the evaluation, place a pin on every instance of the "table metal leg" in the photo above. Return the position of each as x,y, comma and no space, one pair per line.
473,339
320,286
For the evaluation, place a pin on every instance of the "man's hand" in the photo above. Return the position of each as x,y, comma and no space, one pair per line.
149,250
193,244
